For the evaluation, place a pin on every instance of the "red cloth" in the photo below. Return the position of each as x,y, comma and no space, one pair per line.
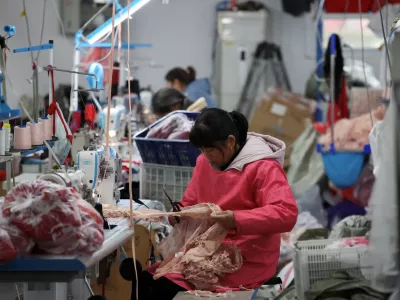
340,6
115,76
341,109
75,121
97,55
263,206
375,6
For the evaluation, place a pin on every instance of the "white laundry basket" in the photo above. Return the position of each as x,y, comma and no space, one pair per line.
312,263
154,178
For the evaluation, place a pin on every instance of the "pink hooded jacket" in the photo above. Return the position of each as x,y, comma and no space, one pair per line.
255,188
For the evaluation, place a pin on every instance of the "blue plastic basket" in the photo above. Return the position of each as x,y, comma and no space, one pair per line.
167,152
343,168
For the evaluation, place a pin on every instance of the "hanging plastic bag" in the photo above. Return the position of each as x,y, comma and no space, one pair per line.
378,139
383,206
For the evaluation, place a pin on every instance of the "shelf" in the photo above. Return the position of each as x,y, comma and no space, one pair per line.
5,158
25,153
63,269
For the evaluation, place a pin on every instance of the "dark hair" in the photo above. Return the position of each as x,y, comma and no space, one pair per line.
182,75
215,125
165,99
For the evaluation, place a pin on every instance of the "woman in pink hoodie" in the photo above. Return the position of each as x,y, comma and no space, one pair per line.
242,173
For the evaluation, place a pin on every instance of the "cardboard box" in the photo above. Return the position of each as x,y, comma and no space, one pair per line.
282,116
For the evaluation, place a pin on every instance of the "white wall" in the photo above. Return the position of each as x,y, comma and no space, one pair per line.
187,37
181,33
19,65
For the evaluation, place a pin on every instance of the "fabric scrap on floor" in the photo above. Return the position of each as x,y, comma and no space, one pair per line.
343,286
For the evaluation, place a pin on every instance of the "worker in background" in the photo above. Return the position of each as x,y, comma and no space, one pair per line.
242,173
186,82
167,100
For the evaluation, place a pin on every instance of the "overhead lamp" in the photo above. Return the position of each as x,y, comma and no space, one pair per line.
227,21
120,17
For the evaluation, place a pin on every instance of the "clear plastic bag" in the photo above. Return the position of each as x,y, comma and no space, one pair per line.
175,127
195,247
12,241
42,210
55,217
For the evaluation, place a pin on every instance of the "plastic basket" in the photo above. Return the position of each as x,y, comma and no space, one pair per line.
344,168
155,178
312,263
167,152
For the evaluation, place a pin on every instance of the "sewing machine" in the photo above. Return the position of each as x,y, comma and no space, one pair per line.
96,175
103,172
84,138
117,114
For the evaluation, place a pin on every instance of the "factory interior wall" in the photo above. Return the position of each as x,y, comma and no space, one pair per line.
181,33
19,65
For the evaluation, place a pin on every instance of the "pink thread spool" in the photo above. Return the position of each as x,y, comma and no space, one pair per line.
36,133
22,138
47,128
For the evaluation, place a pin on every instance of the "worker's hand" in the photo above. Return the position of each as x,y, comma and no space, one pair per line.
172,221
225,218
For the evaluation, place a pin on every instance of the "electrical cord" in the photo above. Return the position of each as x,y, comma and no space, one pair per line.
363,60
55,6
388,60
42,30
131,154
27,28
384,33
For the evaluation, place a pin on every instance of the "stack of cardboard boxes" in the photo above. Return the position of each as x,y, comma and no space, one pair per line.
282,115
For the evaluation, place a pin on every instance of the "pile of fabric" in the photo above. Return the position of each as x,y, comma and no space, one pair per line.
352,134
46,218
175,127
195,248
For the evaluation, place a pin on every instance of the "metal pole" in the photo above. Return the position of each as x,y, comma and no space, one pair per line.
8,173
320,70
74,100
35,94
72,72
51,62
2,63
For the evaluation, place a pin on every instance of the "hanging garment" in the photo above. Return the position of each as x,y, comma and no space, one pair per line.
296,8
346,6
306,166
384,235
340,106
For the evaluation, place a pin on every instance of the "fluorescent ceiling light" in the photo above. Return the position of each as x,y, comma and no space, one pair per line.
227,21
120,17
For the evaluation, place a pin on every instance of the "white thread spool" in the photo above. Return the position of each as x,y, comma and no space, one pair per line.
8,137
2,141
36,133
47,128
22,138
